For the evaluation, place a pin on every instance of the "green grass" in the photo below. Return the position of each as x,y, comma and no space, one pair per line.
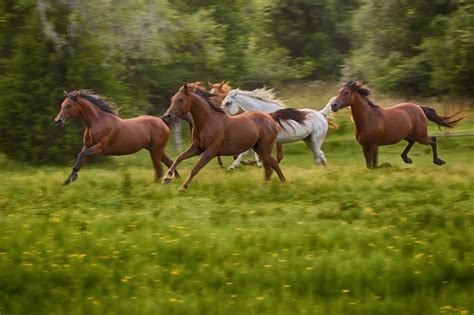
333,240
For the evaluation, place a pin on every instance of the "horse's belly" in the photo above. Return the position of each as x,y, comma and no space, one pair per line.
293,131
233,147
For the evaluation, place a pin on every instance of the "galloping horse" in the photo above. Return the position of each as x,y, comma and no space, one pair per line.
312,131
376,126
215,133
107,134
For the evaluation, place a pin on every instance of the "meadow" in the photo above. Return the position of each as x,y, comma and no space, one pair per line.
334,240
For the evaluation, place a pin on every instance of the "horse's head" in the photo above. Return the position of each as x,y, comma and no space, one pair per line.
346,95
220,88
230,103
182,102
69,109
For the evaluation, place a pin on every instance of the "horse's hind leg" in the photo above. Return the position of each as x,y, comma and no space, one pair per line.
404,154
315,146
156,154
237,161
425,139
436,159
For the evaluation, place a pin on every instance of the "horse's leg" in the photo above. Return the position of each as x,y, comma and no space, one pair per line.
404,154
370,154
190,152
205,158
436,159
314,143
237,161
156,154
279,155
257,159
219,161
276,167
423,138
168,162
82,158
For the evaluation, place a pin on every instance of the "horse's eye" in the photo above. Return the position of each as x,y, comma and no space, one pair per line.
346,92
68,106
180,101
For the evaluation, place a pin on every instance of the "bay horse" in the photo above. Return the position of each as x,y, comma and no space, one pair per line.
108,134
215,133
313,131
377,126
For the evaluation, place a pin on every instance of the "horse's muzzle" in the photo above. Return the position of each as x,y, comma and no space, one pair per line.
59,122
170,120
335,106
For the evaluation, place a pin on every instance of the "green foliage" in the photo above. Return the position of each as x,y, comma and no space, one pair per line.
413,47
138,53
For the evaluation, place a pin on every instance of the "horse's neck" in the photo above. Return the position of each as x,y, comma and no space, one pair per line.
251,104
91,114
201,112
363,114
326,111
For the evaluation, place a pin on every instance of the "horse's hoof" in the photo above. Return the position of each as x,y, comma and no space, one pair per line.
182,189
407,160
231,168
259,165
166,180
439,162
71,178
386,165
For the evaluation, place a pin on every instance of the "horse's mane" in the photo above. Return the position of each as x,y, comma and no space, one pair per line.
206,96
99,101
361,89
263,94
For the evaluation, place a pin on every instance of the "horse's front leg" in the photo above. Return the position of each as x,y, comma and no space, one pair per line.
82,158
370,154
279,156
205,158
191,151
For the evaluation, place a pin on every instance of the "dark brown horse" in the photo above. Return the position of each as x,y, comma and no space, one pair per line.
215,133
107,134
376,126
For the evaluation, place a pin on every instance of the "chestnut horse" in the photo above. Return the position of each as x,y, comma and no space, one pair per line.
215,133
376,126
107,134
220,90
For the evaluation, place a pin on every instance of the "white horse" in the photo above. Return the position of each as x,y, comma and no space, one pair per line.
312,131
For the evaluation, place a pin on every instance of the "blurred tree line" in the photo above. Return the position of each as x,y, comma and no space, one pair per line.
138,52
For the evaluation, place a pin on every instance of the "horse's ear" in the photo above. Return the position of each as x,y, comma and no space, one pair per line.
185,88
210,84
66,93
227,82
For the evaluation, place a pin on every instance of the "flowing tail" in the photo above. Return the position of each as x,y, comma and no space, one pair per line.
288,114
445,121
327,112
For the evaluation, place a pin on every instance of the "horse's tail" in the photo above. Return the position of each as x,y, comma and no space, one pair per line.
289,114
445,121
327,112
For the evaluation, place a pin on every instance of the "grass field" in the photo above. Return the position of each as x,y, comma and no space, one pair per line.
335,240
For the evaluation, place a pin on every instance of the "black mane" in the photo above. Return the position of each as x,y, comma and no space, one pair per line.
361,89
99,101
